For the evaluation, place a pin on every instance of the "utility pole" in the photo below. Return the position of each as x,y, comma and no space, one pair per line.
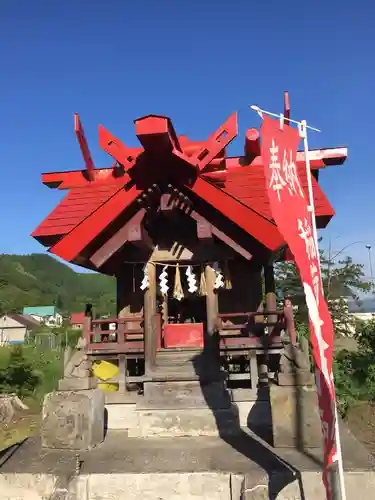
370,260
329,263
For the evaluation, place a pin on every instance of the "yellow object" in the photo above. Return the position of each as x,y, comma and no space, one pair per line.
202,285
104,370
108,387
178,293
228,282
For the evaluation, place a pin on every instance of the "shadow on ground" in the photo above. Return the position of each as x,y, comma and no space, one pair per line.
279,472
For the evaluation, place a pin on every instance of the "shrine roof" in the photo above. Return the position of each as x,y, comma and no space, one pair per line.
235,187
248,184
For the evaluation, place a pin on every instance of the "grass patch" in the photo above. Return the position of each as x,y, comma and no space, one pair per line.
31,372
22,426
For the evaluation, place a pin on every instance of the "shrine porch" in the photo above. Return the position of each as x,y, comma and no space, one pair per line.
242,352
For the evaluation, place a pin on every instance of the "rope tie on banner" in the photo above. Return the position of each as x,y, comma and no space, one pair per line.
260,112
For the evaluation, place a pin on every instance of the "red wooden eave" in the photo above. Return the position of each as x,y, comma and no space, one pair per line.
261,228
69,247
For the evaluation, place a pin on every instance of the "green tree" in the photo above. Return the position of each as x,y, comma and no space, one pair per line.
355,371
341,282
18,375
38,279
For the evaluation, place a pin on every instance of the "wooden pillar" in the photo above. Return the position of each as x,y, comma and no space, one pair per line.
87,324
212,303
254,376
289,318
122,373
271,305
164,309
149,316
270,289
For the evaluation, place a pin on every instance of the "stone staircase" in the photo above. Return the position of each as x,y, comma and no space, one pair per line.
185,396
192,364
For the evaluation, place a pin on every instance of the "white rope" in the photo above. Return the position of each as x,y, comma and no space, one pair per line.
248,490
163,264
261,112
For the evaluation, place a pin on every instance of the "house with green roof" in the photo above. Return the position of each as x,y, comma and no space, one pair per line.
46,315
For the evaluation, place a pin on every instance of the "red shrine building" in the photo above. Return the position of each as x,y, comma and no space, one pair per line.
188,233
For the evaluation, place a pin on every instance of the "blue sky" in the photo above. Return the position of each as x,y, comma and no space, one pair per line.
197,62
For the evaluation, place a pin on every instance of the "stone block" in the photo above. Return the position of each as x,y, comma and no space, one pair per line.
187,422
73,420
173,486
27,486
295,417
163,395
77,384
121,416
301,378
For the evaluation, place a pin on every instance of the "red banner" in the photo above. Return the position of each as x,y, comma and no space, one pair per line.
290,209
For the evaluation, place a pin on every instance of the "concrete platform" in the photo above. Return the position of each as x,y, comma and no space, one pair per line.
140,421
171,468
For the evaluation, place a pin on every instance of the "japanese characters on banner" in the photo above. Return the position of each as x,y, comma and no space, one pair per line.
290,210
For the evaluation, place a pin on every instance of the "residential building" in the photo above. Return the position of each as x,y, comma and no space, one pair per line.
46,315
77,319
363,310
14,328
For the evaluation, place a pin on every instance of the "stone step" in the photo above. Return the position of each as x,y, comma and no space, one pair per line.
169,469
140,421
186,422
173,395
181,374
176,353
175,360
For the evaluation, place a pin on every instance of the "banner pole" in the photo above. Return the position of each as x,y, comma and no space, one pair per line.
336,474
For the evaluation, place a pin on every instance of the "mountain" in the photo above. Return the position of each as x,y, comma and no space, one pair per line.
39,279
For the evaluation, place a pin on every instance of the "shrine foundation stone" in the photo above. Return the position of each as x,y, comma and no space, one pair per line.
295,417
73,420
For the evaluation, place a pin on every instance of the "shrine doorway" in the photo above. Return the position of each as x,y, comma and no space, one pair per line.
187,310
184,318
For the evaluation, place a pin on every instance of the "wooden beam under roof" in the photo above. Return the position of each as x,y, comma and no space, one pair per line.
222,236
205,230
259,227
132,232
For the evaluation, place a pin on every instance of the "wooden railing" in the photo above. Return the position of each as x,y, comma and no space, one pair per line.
252,330
128,335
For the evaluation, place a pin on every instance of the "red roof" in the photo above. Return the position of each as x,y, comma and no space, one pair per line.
75,207
248,184
96,200
77,318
